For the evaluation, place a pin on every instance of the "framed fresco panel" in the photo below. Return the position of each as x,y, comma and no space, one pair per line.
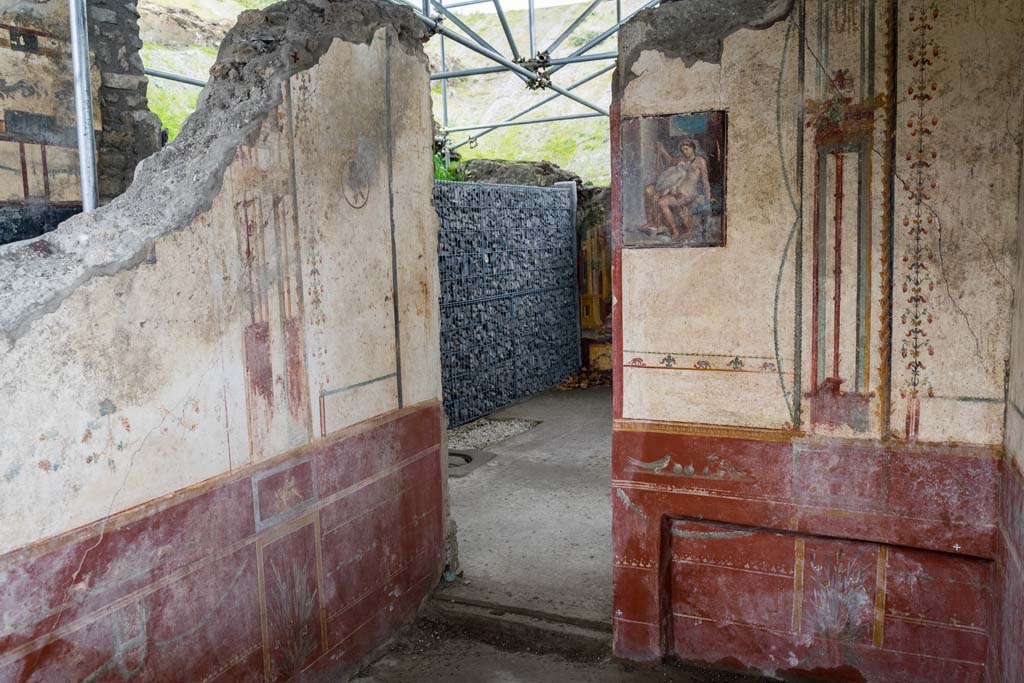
673,180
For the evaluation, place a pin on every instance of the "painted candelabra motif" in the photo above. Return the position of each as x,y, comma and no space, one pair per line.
677,199
841,320
273,337
919,219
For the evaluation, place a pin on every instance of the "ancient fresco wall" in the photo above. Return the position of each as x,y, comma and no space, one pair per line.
221,438
831,366
1007,655
39,183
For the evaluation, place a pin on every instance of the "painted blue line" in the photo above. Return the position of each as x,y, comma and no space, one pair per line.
340,390
1016,408
792,231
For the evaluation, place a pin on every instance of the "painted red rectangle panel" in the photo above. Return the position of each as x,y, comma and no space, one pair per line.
284,491
295,363
844,477
188,588
809,605
291,595
947,642
959,484
116,559
754,469
259,371
207,623
930,587
382,447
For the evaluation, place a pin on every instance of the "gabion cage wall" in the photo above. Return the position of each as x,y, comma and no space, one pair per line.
509,313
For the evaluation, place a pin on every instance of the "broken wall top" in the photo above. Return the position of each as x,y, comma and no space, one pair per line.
179,182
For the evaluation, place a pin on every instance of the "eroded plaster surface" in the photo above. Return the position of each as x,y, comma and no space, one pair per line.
259,53
194,326
693,31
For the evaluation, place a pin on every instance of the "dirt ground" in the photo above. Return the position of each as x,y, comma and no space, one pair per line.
429,652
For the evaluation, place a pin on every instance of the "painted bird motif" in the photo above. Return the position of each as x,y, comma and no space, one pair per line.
657,466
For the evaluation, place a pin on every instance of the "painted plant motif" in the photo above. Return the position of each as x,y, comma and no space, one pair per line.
919,219
712,467
292,607
838,601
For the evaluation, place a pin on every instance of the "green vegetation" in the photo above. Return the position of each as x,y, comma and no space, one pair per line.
453,173
579,145
170,100
172,105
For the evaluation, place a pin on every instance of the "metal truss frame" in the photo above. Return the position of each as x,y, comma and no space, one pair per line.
535,67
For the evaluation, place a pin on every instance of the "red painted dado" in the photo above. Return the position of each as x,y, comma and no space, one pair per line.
845,560
1006,652
302,564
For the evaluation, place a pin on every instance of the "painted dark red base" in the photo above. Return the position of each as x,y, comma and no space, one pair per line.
854,560
1006,653
292,570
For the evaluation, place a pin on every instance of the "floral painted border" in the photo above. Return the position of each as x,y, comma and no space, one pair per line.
919,182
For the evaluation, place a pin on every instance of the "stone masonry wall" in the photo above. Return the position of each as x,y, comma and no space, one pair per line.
131,132
39,183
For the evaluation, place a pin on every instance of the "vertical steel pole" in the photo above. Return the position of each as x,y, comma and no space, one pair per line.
444,106
83,102
426,8
531,12
618,11
444,88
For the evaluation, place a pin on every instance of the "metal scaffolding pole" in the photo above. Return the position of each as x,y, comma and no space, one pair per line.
505,124
538,105
461,24
605,35
83,103
505,27
167,75
532,14
443,75
511,66
444,89
573,26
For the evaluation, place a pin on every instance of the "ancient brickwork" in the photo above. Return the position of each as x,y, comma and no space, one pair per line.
130,131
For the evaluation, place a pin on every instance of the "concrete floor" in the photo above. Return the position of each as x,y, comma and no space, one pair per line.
534,524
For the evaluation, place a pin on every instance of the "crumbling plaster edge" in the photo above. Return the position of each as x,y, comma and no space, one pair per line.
260,53
666,29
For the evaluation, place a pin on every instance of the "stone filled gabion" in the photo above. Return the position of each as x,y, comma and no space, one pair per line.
509,317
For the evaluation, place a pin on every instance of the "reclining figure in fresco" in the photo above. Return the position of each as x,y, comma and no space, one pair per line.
681,196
